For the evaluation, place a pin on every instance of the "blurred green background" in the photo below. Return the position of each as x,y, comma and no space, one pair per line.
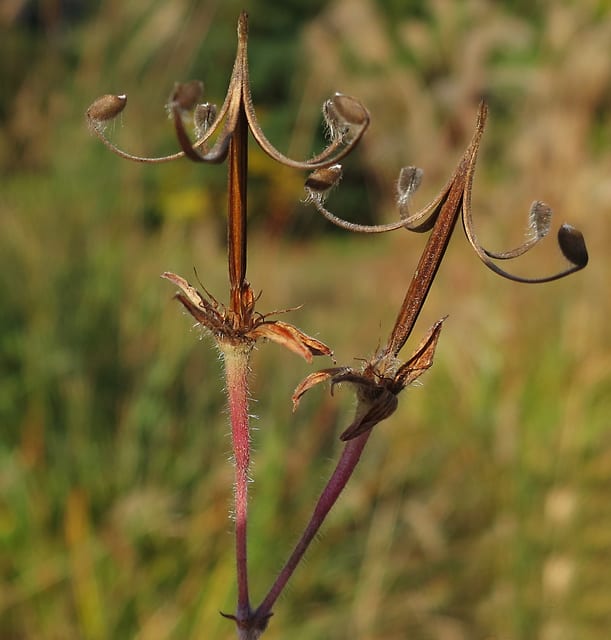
481,508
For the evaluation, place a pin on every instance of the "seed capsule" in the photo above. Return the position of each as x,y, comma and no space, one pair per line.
572,245
186,95
106,108
321,181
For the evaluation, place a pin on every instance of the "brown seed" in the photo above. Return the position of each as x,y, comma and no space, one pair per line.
106,107
348,110
187,94
322,180
572,245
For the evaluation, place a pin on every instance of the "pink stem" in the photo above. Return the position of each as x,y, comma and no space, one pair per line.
342,473
236,371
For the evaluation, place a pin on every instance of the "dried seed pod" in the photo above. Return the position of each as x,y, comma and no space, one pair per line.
540,218
186,95
203,117
321,181
573,245
344,116
106,108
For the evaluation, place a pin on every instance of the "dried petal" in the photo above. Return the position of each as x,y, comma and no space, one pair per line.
106,108
573,245
292,338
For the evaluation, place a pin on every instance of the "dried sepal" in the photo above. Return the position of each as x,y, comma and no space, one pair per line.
313,379
377,393
189,291
290,337
104,109
206,311
422,358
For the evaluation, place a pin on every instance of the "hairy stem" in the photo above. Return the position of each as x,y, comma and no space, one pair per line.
341,474
236,359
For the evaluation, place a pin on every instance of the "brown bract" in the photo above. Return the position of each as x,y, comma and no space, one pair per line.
248,326
377,384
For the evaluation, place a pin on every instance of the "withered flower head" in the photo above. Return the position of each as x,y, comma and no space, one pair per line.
377,384
229,328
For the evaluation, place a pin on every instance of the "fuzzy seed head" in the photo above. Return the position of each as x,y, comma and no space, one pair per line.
539,219
408,183
203,117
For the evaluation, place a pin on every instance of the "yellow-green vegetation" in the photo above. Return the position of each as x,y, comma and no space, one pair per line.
481,508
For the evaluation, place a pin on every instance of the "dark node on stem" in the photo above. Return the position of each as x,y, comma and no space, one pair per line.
572,245
106,108
186,95
255,625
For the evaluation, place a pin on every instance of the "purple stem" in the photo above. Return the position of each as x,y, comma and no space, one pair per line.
342,473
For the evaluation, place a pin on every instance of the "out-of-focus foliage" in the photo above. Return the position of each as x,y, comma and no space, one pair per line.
481,507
